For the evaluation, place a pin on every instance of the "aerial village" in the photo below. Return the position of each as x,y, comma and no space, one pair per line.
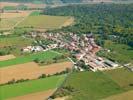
83,48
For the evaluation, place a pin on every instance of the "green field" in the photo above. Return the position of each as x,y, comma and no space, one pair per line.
20,89
43,22
35,13
48,55
122,76
98,85
20,7
9,8
92,86
15,41
14,44
118,52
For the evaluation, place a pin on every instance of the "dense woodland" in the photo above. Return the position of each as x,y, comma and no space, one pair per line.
108,21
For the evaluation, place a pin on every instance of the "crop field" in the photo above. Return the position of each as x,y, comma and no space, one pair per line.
48,55
122,76
13,5
6,57
123,96
7,24
14,14
112,84
44,22
91,86
31,70
14,41
35,96
119,52
68,22
35,13
3,4
33,86
10,20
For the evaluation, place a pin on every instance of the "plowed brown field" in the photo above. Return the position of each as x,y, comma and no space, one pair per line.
7,57
30,71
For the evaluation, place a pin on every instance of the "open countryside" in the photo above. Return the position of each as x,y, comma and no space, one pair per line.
10,91
24,59
44,22
122,96
31,71
66,50
7,57
35,96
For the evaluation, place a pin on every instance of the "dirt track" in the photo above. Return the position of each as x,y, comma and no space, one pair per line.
30,71
35,96
7,57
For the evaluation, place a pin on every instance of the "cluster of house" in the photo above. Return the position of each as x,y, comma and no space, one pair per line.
84,47
97,63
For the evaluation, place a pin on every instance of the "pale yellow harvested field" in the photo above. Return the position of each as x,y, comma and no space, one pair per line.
54,68
30,5
30,71
14,14
6,57
70,21
35,96
123,96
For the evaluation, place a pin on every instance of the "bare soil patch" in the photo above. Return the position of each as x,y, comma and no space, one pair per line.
70,21
35,96
6,57
30,71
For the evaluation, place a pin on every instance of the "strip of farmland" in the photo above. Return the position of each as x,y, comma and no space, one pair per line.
122,96
47,55
34,86
44,22
6,57
35,96
30,71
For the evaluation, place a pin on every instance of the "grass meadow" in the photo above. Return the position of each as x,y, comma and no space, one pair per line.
92,86
118,52
122,76
99,85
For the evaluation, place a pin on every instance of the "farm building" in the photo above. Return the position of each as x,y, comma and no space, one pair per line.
110,63
32,48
